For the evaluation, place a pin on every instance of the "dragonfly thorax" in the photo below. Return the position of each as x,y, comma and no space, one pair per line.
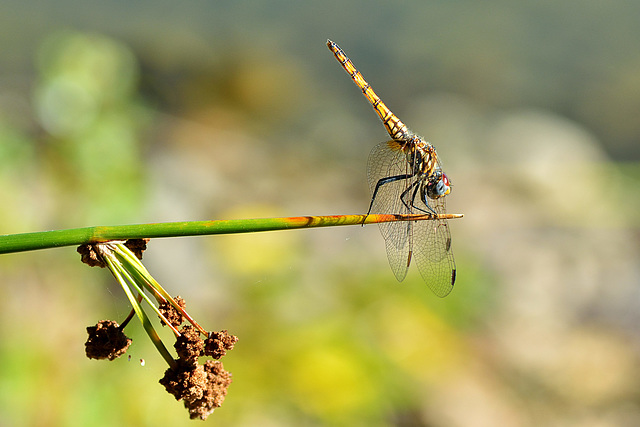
420,155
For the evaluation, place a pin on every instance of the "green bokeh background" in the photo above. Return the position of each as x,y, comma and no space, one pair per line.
130,112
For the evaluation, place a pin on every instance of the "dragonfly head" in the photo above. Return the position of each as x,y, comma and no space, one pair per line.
438,185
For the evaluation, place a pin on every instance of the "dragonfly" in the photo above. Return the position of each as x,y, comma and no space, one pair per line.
406,177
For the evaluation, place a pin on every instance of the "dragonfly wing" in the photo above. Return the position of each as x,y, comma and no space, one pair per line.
433,254
388,160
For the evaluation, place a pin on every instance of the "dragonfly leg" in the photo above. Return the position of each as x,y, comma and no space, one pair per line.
411,206
379,184
423,197
404,194
382,182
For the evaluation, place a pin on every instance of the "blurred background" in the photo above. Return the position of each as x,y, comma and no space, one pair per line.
131,112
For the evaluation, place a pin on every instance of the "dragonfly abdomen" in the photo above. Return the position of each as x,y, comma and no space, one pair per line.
396,129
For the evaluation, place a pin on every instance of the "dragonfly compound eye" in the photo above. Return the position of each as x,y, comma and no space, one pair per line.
438,186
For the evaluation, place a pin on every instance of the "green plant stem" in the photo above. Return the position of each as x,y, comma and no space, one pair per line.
126,321
99,234
122,276
136,274
141,273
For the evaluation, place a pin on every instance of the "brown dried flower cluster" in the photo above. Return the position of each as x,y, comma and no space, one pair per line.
201,387
137,246
170,313
219,343
90,256
106,341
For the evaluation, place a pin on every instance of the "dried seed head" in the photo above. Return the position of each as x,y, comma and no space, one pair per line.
137,246
106,341
185,381
189,345
219,343
218,380
89,256
174,317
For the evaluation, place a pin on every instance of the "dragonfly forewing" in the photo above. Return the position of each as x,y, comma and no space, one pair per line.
388,160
